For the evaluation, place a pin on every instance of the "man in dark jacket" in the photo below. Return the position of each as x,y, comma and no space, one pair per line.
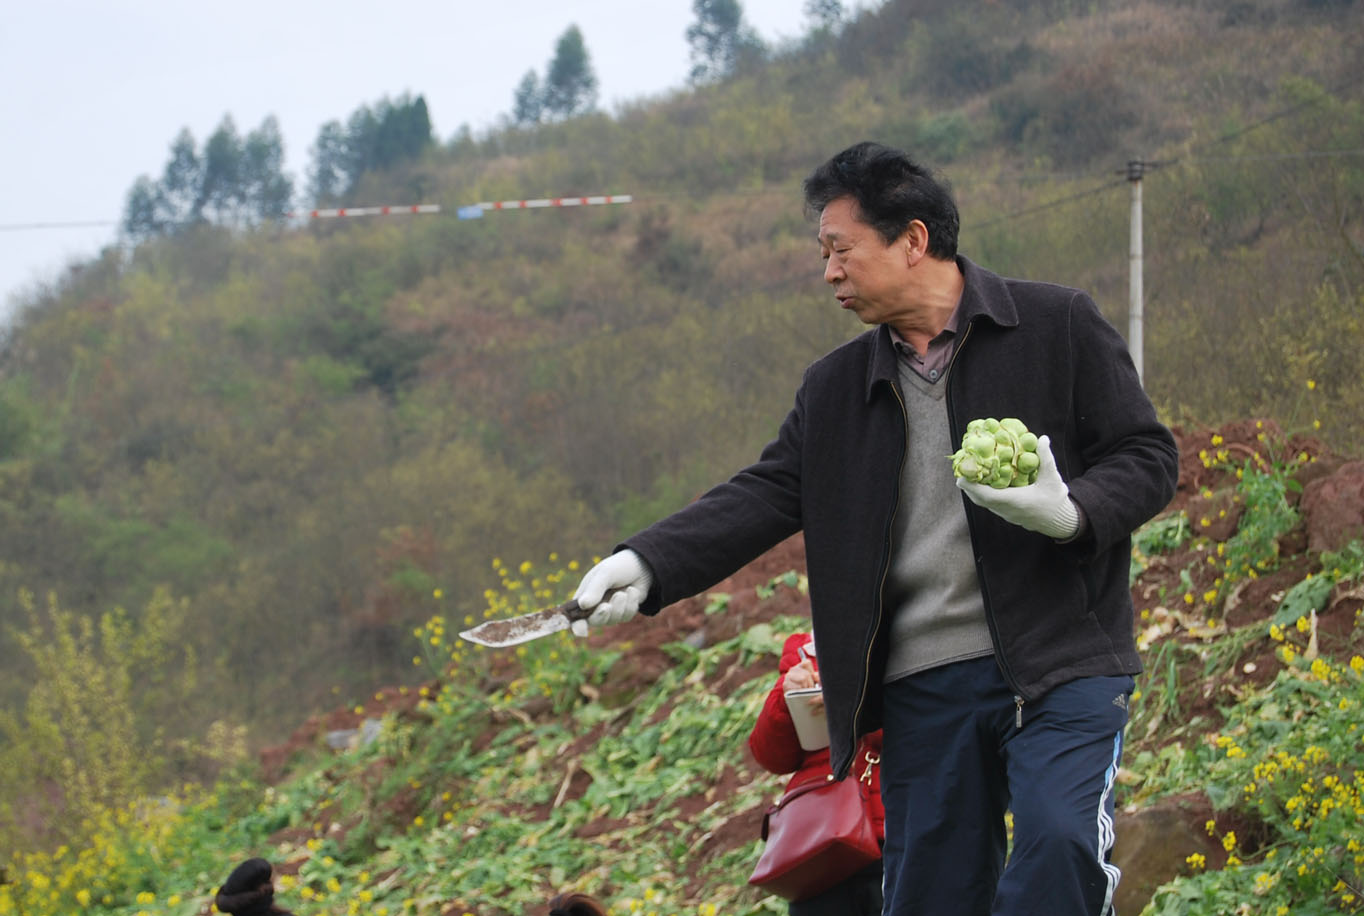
988,631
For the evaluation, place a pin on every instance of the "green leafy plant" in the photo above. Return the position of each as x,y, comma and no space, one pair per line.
1287,758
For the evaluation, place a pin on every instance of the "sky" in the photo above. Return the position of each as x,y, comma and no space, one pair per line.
95,92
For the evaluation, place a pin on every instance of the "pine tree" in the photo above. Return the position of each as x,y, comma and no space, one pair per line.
570,85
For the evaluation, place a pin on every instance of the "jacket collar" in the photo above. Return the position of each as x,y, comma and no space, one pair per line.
985,297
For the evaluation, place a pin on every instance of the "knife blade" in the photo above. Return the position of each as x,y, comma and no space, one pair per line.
512,631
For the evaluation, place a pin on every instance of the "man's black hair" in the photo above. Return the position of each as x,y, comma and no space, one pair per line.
891,190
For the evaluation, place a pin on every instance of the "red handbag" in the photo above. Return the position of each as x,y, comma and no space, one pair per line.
818,835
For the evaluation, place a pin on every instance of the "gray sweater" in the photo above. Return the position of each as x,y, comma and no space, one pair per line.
932,596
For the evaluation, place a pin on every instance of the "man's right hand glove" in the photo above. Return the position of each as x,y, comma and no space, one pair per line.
627,579
1044,506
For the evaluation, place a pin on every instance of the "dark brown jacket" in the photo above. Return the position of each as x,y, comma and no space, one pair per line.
1035,351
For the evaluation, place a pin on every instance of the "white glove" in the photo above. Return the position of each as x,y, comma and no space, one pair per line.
626,577
1043,506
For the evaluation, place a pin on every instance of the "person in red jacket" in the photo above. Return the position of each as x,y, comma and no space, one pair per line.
777,748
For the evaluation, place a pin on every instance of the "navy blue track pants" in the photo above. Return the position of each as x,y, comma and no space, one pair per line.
955,759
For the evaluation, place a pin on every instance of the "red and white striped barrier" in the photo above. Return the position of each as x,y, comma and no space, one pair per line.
474,211
539,202
373,211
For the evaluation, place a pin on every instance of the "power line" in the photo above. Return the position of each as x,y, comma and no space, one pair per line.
73,224
1060,201
736,192
1274,157
1328,93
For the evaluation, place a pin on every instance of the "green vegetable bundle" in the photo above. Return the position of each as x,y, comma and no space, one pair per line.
1001,453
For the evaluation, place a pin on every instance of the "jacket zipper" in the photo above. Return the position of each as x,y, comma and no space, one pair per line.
1019,695
885,570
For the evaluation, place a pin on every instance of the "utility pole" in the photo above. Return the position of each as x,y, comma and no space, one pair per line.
1135,168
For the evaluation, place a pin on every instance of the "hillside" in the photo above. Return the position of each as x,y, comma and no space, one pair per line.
617,765
239,468
1206,634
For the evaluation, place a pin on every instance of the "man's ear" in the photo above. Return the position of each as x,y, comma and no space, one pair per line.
915,240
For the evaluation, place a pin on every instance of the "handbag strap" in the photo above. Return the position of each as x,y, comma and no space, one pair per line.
797,791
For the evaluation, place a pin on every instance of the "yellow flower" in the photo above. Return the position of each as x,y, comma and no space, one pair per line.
1229,841
1197,860
438,594
1311,384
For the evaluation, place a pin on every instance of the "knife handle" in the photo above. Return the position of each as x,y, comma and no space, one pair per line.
574,611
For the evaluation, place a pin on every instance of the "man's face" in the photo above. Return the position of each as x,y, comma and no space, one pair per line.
868,276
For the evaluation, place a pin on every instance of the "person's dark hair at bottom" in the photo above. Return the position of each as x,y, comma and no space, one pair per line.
248,891
576,905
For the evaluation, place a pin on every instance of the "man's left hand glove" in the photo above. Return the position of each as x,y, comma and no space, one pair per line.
1043,506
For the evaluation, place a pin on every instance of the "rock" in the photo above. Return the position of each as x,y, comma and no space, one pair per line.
344,739
1333,508
1151,847
341,739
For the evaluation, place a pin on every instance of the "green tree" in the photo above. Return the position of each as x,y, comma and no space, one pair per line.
528,104
329,174
825,15
374,138
232,182
719,39
570,85
92,733
142,209
267,189
219,192
404,131
180,180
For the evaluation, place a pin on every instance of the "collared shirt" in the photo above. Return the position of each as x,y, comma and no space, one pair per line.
933,364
